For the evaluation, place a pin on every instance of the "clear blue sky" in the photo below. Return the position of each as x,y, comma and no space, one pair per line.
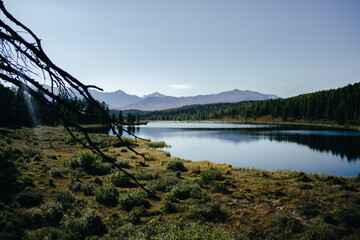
191,47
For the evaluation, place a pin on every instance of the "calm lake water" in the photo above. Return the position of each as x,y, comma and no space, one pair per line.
269,147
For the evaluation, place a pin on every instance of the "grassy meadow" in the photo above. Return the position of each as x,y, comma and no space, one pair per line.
51,188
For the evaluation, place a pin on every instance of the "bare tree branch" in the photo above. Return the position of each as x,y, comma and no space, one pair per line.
23,62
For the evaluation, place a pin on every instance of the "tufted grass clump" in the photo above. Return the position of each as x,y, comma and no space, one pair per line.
176,165
160,144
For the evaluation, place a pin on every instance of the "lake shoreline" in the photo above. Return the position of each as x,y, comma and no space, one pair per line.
322,124
217,201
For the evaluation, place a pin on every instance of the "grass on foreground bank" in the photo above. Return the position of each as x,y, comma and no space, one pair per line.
53,189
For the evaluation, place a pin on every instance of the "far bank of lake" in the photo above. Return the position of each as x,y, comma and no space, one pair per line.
265,146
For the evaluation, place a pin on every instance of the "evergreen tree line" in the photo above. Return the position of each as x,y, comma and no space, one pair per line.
19,109
341,105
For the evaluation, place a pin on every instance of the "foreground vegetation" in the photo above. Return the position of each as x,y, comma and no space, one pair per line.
52,189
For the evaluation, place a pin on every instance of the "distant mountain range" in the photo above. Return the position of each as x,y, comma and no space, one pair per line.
120,100
156,101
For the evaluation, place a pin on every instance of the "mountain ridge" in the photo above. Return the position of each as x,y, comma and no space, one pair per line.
154,102
120,100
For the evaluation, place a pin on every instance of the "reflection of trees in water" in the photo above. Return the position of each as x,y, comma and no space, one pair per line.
343,146
339,145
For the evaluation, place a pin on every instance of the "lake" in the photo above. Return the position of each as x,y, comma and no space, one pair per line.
270,147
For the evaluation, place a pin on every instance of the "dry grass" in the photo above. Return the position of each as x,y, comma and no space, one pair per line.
248,197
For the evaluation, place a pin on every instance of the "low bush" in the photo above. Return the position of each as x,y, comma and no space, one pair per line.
319,232
89,224
58,172
211,174
90,163
136,213
29,198
145,176
65,198
73,163
28,182
209,211
87,189
186,190
51,156
129,200
52,213
11,226
124,164
107,196
285,223
176,165
349,216
163,184
169,207
120,179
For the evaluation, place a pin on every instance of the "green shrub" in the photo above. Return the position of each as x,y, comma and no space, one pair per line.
8,174
196,170
186,190
129,200
349,216
136,213
123,150
319,232
120,179
221,187
185,230
169,207
33,217
87,189
29,198
91,164
65,198
209,211
163,184
28,182
11,226
51,156
211,174
107,196
176,165
73,163
89,224
145,176
124,164
52,213
58,172
86,159
286,223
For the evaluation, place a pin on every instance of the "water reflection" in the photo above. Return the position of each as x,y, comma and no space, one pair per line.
263,146
341,143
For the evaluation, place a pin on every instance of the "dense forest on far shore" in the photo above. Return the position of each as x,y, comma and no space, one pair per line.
20,109
340,105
